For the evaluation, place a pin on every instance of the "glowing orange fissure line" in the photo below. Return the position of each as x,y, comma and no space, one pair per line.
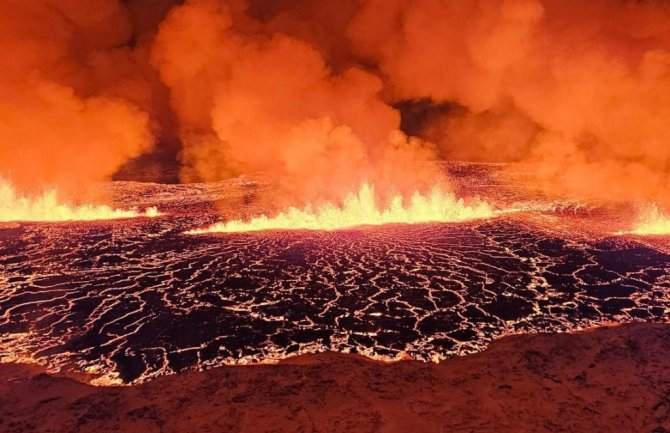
360,209
47,208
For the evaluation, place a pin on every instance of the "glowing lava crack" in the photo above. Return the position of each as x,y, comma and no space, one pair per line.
361,210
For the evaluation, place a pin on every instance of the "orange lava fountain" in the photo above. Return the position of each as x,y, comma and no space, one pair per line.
361,209
46,208
653,222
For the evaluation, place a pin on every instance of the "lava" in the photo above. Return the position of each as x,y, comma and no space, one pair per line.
360,209
652,222
47,208
116,301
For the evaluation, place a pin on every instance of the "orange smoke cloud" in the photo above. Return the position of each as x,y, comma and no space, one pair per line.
270,103
577,90
66,117
578,93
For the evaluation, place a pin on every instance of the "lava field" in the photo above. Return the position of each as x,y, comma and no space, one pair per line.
128,300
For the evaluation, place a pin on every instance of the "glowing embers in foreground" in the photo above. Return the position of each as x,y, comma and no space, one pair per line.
652,222
360,209
46,208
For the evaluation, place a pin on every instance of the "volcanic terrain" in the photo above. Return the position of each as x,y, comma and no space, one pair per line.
128,300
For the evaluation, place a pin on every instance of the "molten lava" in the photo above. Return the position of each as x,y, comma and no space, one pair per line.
46,207
652,222
360,209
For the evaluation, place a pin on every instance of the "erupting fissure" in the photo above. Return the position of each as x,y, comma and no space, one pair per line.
47,208
360,209
652,222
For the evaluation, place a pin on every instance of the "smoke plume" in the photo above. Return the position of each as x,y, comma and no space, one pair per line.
252,101
315,94
577,91
76,101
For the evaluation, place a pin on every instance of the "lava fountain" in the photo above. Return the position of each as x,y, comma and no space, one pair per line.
47,208
652,222
360,209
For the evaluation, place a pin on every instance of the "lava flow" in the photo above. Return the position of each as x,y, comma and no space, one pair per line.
360,209
47,208
131,302
217,110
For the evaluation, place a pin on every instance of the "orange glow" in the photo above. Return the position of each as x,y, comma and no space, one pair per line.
360,209
652,222
46,207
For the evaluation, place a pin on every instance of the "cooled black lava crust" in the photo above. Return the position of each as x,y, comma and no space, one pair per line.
138,298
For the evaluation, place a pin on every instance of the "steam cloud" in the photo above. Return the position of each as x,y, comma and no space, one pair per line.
312,92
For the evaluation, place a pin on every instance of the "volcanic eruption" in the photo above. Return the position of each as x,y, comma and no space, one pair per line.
315,96
261,179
